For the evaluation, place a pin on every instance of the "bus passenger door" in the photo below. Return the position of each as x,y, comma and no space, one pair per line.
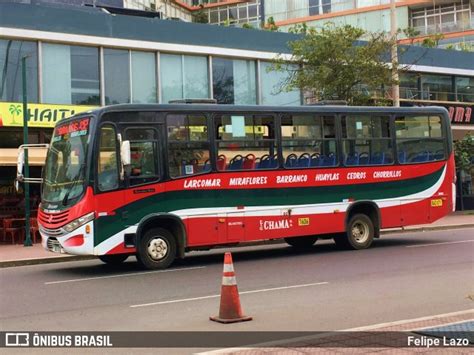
143,176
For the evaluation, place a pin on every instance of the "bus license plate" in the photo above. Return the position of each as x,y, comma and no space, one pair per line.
437,202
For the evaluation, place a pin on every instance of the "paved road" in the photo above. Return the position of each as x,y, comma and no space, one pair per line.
403,276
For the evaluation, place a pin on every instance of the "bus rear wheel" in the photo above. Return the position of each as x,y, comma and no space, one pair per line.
156,249
113,259
301,242
359,235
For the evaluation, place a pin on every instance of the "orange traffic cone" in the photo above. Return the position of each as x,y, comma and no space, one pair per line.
230,310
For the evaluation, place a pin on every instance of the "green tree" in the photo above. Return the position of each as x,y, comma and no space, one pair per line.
270,25
466,47
463,153
432,41
200,16
332,66
411,34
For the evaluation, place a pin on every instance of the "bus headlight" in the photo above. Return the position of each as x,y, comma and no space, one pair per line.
78,222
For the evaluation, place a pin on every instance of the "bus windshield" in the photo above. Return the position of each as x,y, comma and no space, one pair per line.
64,174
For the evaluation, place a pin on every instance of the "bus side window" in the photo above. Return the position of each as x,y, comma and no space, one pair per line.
308,141
366,140
245,142
188,145
107,163
144,155
419,139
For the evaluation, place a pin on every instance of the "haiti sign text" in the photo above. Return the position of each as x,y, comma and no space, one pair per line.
39,115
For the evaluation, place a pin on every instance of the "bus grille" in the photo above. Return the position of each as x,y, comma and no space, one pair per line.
59,218
53,245
50,232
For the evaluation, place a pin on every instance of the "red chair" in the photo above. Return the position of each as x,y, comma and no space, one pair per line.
221,162
13,228
34,229
249,162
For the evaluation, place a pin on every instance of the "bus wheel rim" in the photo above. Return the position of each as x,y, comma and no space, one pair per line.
360,232
157,248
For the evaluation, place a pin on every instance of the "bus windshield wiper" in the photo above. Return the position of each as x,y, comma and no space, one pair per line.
73,185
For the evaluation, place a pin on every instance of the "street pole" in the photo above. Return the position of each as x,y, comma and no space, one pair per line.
394,52
26,186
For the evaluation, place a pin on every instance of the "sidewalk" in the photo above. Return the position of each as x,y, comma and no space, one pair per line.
385,338
17,254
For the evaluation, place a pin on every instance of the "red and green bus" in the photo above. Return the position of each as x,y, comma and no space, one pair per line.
157,181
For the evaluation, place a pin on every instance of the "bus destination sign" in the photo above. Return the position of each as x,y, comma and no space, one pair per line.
73,129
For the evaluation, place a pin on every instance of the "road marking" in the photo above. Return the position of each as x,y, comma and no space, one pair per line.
441,243
122,275
216,296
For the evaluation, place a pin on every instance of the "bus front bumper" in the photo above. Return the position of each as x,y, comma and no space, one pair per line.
78,242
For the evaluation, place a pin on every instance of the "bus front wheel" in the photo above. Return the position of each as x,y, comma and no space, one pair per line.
359,235
113,259
301,242
156,249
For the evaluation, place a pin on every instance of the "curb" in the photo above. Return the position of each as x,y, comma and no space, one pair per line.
45,260
60,259
427,229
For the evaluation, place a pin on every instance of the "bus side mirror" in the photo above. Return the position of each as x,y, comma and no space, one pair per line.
125,157
19,164
125,154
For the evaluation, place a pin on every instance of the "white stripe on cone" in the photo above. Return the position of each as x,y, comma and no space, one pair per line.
228,268
229,281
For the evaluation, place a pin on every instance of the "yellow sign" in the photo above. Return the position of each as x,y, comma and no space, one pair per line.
437,203
39,115
303,221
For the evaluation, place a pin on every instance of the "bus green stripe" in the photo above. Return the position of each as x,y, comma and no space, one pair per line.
186,199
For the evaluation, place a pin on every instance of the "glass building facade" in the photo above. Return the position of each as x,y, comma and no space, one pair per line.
74,75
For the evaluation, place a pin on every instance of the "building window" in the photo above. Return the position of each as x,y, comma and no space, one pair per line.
272,83
70,74
11,54
442,18
117,76
465,89
234,81
183,77
248,12
143,77
409,88
437,87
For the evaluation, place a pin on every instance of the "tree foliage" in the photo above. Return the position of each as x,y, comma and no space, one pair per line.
200,16
331,65
464,153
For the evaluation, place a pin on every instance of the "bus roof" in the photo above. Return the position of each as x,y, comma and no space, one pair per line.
259,109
